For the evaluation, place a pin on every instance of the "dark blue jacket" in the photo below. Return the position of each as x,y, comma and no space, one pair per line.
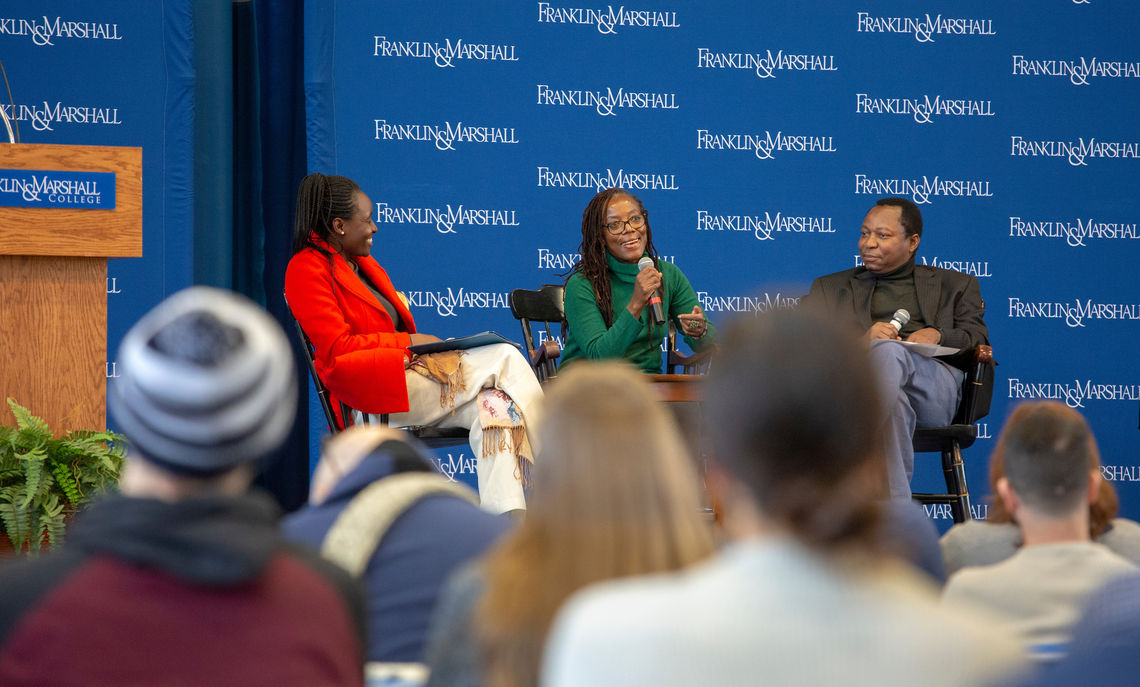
423,546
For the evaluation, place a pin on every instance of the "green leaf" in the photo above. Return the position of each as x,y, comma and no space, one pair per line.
24,419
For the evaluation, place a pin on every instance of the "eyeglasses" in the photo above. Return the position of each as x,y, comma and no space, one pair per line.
618,227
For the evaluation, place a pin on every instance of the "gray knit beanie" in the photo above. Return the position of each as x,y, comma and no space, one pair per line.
207,383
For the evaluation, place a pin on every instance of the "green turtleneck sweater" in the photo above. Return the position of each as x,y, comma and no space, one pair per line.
631,338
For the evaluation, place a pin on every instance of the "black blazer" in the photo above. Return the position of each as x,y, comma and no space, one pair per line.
948,300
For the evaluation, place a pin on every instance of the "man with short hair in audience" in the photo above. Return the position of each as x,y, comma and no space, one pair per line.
944,307
182,579
1048,485
377,506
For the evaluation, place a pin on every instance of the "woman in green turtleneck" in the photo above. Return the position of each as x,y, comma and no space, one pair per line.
607,296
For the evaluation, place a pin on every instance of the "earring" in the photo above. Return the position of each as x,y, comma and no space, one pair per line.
342,233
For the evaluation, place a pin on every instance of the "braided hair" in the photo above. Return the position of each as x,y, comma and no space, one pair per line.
592,252
320,200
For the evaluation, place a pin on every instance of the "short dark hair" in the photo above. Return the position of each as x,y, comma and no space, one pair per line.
910,217
794,416
1048,450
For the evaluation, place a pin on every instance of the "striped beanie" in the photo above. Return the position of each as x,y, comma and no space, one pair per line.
207,383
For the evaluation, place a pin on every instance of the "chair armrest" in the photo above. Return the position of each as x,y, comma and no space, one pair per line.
690,361
549,350
984,355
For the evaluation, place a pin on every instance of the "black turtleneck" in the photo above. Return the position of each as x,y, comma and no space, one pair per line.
895,290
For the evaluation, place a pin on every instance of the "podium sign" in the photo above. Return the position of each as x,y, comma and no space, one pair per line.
53,273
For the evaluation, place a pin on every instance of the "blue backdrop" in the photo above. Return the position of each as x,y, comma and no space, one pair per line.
757,135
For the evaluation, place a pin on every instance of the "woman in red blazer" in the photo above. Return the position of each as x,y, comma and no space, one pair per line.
361,329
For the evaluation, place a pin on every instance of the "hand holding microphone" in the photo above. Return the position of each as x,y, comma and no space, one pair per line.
899,319
650,281
889,330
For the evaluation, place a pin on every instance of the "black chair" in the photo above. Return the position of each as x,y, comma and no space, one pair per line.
691,363
432,437
537,311
977,391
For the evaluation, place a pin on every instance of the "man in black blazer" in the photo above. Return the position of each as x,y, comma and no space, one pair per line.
945,308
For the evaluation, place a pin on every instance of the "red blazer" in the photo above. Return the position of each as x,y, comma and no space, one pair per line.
359,353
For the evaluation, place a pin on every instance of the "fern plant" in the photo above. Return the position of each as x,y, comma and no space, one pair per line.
44,478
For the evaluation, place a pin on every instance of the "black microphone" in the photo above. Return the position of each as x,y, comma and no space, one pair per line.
654,300
899,319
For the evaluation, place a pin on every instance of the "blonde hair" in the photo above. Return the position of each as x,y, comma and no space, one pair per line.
615,494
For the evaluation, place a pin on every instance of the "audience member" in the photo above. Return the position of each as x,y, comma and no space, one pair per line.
615,495
381,511
803,594
989,541
1106,641
1049,456
183,580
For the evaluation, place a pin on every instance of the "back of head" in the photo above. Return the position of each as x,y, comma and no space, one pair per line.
615,467
207,383
794,416
615,494
1047,450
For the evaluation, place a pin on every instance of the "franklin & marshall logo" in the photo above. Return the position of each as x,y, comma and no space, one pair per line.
975,268
766,226
454,465
44,117
607,20
765,146
767,63
600,181
1120,473
444,54
563,262
605,102
923,109
47,31
1077,71
1073,313
1075,232
1074,394
921,191
941,511
446,218
445,136
1075,152
447,302
57,189
926,27
757,303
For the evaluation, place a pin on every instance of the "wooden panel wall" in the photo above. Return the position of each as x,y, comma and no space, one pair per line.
53,325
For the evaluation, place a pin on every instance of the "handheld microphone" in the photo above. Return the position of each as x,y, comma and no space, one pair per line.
655,300
899,319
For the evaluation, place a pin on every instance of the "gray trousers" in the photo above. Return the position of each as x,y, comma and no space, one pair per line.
916,392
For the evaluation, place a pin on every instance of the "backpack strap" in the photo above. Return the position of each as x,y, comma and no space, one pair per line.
357,532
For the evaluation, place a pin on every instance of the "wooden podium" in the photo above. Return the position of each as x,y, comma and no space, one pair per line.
53,286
